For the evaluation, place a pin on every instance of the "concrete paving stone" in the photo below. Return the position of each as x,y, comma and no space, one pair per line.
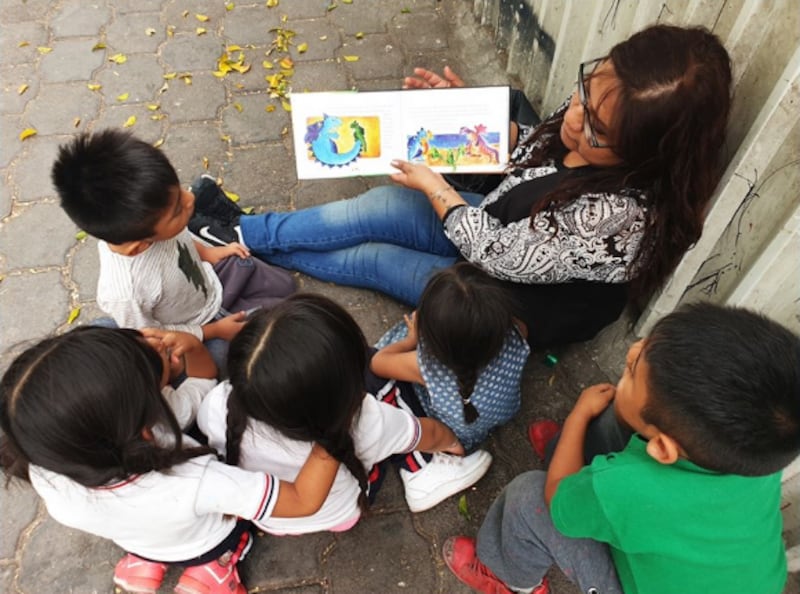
89,313
46,305
351,20
200,100
329,75
173,14
7,571
72,59
141,78
253,123
5,196
19,496
421,30
304,9
10,144
262,176
31,35
385,57
30,175
192,53
84,269
128,33
76,18
125,7
285,560
19,12
45,231
88,568
55,107
383,84
250,25
398,559
145,127
12,77
315,192
187,144
312,32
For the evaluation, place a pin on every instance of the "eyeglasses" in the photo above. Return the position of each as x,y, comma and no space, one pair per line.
583,96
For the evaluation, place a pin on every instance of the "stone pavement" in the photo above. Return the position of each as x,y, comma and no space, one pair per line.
51,52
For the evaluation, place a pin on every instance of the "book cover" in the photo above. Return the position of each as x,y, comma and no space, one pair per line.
348,133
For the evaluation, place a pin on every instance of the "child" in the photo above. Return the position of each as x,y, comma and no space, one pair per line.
693,499
84,421
297,377
126,193
463,350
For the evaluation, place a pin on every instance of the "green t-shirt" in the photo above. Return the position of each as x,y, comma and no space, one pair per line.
677,528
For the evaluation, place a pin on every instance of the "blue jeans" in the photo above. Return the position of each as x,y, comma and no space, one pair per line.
519,543
388,239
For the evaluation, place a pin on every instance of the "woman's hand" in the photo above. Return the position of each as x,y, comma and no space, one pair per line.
427,79
417,176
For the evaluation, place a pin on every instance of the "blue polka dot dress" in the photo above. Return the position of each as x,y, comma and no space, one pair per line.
496,396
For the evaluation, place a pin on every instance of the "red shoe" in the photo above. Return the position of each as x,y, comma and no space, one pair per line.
540,433
219,576
139,576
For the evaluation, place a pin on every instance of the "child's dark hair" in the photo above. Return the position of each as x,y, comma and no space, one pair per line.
725,384
299,368
77,404
112,185
463,318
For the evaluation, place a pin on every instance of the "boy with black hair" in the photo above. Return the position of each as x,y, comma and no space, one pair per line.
125,192
692,502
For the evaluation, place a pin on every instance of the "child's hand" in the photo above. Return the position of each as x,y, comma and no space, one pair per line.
411,324
226,328
454,448
594,400
212,255
173,346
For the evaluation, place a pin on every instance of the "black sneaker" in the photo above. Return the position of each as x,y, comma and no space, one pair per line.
210,201
214,231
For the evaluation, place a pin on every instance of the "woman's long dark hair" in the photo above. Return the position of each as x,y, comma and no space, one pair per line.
78,404
463,318
669,129
299,368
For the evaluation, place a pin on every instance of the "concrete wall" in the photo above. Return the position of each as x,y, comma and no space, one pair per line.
750,249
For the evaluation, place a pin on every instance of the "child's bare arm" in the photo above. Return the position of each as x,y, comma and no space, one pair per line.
185,352
213,254
226,328
310,489
568,457
438,437
399,360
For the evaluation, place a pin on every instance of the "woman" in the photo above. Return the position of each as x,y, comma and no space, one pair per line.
599,203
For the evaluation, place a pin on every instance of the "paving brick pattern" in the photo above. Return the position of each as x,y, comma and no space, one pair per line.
47,271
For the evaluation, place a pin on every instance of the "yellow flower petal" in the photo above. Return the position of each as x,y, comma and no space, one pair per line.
21,89
27,133
350,58
123,97
73,315
129,122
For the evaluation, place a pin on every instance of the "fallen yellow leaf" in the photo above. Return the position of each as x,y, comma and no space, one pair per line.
27,133
323,37
360,35
23,44
350,58
158,116
268,65
271,3
44,50
241,68
232,196
98,46
153,106
185,13
158,143
239,85
169,75
21,89
129,122
118,58
187,78
94,86
286,62
150,31
170,30
229,6
286,105
238,107
347,1
201,17
201,31
247,210
76,122
269,108
205,163
73,315
302,48
331,6
123,97
81,235
219,73
225,138
233,48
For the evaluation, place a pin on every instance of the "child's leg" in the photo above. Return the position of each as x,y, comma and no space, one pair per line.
604,435
519,543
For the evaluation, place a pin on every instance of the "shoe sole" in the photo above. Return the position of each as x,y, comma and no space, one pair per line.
449,489
126,587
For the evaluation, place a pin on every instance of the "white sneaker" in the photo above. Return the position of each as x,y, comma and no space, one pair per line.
443,476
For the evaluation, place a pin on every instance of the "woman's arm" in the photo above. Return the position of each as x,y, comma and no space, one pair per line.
441,194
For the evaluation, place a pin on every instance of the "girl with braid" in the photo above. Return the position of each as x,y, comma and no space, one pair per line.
297,377
463,351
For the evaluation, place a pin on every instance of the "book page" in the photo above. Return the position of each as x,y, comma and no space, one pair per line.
343,134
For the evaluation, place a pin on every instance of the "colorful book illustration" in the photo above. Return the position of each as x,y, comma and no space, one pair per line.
343,134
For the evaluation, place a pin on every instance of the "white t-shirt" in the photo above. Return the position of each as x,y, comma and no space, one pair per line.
167,516
380,431
165,286
186,398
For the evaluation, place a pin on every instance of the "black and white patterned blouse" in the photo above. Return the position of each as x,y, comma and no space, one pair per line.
594,237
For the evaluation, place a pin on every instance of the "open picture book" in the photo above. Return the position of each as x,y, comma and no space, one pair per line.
349,133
